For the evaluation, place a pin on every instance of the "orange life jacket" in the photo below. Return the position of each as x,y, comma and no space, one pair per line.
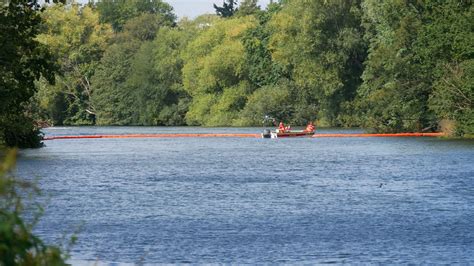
281,127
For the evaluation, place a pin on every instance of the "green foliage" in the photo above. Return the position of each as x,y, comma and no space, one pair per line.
320,43
23,60
227,9
168,64
139,80
18,245
143,27
158,98
112,98
262,70
446,50
272,100
390,66
453,96
214,67
226,109
248,7
119,12
77,40
393,96
19,130
415,50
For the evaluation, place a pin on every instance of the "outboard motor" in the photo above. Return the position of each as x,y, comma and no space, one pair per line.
266,134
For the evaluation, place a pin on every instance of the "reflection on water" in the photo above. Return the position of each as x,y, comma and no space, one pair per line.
222,200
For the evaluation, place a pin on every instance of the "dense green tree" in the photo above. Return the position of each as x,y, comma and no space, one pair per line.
118,12
143,28
168,56
453,97
78,41
127,89
248,7
215,70
155,99
158,97
446,49
320,43
22,61
418,51
146,96
112,97
261,67
271,82
270,100
227,9
393,96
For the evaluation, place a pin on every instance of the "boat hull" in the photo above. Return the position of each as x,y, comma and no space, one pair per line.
287,134
276,135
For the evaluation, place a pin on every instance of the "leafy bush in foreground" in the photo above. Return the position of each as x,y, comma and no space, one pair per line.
18,244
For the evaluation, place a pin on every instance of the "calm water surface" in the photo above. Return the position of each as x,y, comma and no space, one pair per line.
222,200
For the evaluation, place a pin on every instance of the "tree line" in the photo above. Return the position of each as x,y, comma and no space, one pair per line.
389,66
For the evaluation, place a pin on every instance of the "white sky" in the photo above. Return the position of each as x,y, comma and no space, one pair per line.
194,8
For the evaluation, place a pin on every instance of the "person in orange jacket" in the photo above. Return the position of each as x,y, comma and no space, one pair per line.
281,127
310,127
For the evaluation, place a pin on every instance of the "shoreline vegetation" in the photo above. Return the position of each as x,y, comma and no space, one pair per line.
18,198
389,67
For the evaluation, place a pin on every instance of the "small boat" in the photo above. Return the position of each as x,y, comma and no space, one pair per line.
286,133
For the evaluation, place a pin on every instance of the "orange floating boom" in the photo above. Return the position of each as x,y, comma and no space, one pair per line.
230,135
198,135
363,135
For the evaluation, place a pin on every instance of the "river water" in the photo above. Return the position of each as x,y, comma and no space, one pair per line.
245,200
